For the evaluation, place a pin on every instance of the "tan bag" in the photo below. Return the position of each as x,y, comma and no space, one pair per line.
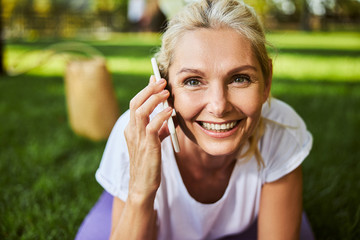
91,101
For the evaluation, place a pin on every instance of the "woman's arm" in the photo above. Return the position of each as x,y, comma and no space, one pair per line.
281,208
136,218
133,220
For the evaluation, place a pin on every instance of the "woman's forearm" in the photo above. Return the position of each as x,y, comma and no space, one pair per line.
281,208
136,220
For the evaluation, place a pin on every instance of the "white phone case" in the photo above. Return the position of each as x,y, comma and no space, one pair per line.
170,121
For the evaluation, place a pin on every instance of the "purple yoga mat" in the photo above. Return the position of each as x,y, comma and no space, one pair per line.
97,224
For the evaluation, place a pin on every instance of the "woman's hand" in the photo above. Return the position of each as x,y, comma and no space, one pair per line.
136,218
144,138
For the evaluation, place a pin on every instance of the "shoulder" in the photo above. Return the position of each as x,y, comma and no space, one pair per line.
280,118
280,112
121,123
116,145
286,141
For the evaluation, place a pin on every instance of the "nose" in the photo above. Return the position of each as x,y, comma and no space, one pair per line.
217,100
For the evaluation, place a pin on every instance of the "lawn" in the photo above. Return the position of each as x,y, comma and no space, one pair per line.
47,172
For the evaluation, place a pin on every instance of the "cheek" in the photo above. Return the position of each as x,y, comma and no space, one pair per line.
249,103
187,104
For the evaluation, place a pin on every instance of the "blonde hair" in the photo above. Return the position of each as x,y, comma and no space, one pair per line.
217,14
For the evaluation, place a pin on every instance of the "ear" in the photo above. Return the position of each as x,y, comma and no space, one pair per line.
268,81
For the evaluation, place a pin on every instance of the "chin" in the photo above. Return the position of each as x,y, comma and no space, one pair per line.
220,149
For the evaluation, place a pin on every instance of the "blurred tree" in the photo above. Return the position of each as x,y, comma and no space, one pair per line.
343,9
69,18
351,7
314,14
260,6
119,20
112,13
340,12
2,69
294,12
58,11
104,8
305,16
42,6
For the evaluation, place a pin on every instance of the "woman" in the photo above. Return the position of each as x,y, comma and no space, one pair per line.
241,153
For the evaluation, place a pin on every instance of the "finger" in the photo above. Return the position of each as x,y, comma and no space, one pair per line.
158,124
151,88
140,98
152,79
164,131
143,112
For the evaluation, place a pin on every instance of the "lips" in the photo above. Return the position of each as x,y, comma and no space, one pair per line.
219,127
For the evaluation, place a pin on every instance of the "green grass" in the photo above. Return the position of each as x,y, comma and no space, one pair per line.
47,172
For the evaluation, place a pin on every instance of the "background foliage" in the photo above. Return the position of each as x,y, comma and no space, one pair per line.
76,18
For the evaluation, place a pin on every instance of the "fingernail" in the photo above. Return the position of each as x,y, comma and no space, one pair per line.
152,79
161,81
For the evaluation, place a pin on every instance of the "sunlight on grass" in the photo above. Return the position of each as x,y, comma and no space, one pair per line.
21,60
316,68
35,62
316,56
333,63
301,40
55,66
130,65
130,39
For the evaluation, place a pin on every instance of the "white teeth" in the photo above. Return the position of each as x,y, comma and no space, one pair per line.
218,127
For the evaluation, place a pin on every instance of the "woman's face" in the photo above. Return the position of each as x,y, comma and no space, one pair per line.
218,89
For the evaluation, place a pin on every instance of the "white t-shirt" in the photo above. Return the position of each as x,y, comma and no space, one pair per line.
285,144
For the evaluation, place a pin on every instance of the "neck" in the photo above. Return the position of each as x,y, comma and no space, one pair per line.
201,171
193,159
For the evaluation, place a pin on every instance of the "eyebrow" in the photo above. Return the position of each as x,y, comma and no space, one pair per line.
232,71
242,68
190,70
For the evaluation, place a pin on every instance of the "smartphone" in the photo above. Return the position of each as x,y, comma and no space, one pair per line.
170,122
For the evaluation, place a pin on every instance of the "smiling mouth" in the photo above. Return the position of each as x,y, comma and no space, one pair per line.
224,127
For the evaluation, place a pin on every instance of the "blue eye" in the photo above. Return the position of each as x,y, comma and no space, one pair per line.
241,79
192,82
